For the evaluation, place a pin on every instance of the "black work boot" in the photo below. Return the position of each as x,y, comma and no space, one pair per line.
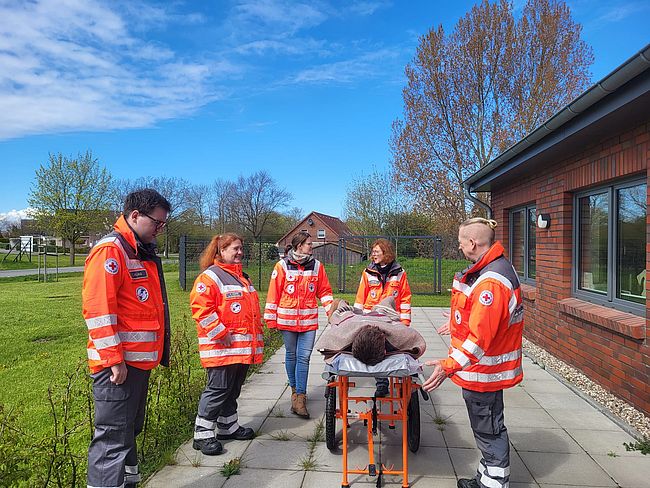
468,483
209,447
241,434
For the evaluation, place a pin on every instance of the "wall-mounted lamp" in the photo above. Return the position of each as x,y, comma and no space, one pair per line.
310,221
543,221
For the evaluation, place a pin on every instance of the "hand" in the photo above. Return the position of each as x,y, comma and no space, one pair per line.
119,373
227,339
436,378
444,329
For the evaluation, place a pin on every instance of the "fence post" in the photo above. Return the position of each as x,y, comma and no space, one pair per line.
438,242
259,274
340,264
182,261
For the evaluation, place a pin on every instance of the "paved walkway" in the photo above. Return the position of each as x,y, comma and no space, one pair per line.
558,440
51,271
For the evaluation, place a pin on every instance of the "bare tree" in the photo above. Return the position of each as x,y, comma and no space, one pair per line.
475,92
256,197
220,204
69,196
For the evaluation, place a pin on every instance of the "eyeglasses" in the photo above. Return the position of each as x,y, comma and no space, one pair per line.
159,223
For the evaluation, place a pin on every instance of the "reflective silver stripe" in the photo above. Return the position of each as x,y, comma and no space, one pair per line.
492,483
131,469
495,276
501,358
328,306
460,358
104,240
259,350
93,354
358,305
138,336
287,322
473,348
307,321
251,288
489,377
227,420
405,306
309,273
140,356
462,287
288,311
405,315
227,288
233,351
271,306
307,311
230,430
101,321
512,305
326,298
518,315
201,422
132,478
270,316
210,319
241,337
217,330
130,263
104,342
204,434
394,278
211,274
495,470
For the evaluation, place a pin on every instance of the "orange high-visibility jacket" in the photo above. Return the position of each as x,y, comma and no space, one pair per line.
224,300
124,304
486,325
293,290
372,291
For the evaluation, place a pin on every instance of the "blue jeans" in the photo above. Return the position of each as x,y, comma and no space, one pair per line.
299,346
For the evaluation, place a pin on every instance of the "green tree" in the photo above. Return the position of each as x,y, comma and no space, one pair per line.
474,92
70,196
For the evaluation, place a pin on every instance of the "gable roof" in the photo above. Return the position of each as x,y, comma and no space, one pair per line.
334,224
620,98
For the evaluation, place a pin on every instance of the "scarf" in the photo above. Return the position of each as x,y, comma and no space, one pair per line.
298,258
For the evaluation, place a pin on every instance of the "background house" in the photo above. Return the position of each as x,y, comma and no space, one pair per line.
571,201
326,231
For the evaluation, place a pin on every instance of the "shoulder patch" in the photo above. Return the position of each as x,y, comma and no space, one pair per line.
201,287
486,298
274,275
111,266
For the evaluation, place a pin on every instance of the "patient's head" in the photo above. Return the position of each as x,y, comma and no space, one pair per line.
369,345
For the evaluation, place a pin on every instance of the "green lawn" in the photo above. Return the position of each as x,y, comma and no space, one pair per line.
24,263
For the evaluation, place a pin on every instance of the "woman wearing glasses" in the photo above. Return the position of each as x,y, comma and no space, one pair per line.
226,308
296,282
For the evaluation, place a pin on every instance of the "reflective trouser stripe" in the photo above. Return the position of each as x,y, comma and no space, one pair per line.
131,469
228,420
203,434
233,428
201,422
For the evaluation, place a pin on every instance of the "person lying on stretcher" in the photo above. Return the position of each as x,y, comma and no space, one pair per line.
369,337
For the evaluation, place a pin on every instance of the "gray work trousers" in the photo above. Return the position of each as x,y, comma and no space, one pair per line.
218,402
485,411
119,418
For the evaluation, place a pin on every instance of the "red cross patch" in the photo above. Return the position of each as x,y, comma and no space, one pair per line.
486,297
111,266
200,287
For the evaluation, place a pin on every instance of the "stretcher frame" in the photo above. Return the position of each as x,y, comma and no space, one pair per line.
403,408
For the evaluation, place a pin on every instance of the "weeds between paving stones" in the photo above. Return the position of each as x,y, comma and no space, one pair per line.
275,412
308,463
612,454
642,446
231,468
282,435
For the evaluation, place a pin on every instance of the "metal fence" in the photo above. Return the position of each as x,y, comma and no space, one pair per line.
430,261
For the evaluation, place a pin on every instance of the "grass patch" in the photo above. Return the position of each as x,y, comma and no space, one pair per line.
24,263
308,461
643,446
282,435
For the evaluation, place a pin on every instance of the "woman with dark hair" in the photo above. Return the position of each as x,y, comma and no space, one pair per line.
226,308
296,282
384,277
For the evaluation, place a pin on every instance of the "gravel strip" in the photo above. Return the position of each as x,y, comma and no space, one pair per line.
638,424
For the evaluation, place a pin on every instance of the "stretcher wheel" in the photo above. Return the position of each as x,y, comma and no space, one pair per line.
413,424
330,419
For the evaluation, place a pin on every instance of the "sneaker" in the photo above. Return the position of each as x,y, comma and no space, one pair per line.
468,483
381,391
209,447
241,434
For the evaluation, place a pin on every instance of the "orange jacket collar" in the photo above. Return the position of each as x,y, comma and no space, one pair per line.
495,251
234,269
123,228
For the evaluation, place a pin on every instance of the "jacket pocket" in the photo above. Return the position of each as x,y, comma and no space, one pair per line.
482,415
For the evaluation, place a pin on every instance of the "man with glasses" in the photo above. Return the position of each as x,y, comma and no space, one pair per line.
125,308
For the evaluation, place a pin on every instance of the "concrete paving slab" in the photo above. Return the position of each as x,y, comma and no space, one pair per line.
186,455
457,435
533,439
256,408
272,454
292,428
605,442
186,477
551,401
268,478
254,391
585,419
628,472
529,417
558,468
546,386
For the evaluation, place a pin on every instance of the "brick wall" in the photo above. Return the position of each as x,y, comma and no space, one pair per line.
610,347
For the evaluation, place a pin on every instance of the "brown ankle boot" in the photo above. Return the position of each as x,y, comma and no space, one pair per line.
294,399
300,407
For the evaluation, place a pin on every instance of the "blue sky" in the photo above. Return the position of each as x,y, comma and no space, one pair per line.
214,89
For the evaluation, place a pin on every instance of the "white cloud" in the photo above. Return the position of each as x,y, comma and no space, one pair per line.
368,65
76,65
621,12
12,217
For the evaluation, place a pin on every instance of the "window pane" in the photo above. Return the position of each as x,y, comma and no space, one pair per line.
518,241
532,239
631,243
592,228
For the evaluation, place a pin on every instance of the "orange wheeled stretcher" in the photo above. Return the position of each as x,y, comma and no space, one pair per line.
401,406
